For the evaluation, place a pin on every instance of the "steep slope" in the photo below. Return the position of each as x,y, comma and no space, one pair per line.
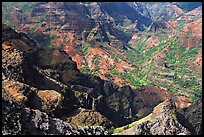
188,6
191,117
41,70
165,120
106,44
191,16
51,79
100,45
165,11
20,120
169,11
90,38
171,58
90,65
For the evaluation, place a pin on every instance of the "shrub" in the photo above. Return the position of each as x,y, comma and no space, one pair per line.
85,47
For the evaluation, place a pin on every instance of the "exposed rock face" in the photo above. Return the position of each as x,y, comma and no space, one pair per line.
60,19
190,16
126,12
50,99
195,30
12,62
152,95
163,121
157,26
141,8
191,117
48,80
45,100
188,6
16,90
85,117
166,11
52,71
19,120
162,126
11,38
44,73
70,25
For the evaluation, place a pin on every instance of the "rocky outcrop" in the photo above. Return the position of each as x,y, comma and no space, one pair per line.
190,16
49,81
44,100
70,26
16,90
12,62
49,99
164,10
163,121
141,8
130,13
19,120
40,79
153,95
85,117
191,117
155,26
25,95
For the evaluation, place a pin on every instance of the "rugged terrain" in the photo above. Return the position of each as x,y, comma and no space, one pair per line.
165,119
37,88
130,45
84,68
162,121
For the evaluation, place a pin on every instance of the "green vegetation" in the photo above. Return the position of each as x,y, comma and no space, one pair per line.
52,61
192,52
136,56
92,35
95,59
47,43
69,119
139,115
95,71
148,67
85,47
180,76
124,30
108,75
85,69
120,129
26,8
146,71
180,26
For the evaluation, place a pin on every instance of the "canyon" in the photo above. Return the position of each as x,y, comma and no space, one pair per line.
99,68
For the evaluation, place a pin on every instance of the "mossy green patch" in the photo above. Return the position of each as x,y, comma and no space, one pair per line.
120,129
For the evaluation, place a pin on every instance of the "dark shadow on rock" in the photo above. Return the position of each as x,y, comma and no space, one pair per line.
182,120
